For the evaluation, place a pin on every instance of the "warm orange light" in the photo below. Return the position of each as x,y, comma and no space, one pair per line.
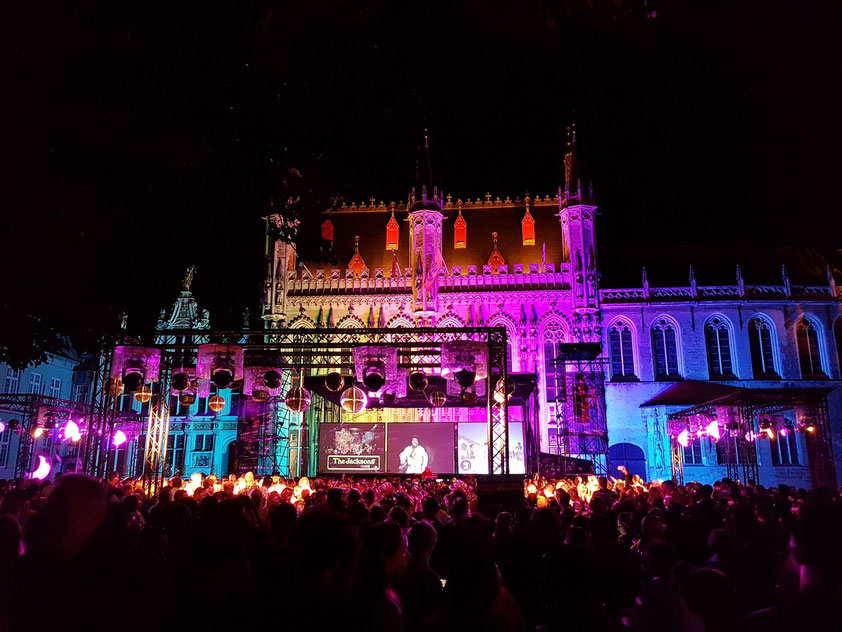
143,394
216,403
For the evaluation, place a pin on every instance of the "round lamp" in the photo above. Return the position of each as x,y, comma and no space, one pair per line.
216,403
353,400
143,394
297,399
438,399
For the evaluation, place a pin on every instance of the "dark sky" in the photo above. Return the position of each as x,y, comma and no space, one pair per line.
138,138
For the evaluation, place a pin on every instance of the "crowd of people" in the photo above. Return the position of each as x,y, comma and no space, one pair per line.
417,554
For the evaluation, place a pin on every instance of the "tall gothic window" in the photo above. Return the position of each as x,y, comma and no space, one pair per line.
719,349
665,350
809,353
554,373
622,351
760,345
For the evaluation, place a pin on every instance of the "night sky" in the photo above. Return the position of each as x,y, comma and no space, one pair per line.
138,138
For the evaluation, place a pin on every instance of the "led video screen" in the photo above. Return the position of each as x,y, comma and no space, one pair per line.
352,448
472,446
413,447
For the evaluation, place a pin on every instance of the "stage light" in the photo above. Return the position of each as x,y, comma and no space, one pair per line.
418,381
353,400
683,438
503,391
14,425
334,381
272,379
132,379
712,430
187,399
38,432
259,395
71,431
468,396
437,399
465,378
143,394
116,387
222,377
2,426
119,438
42,471
216,403
49,423
180,381
374,376
784,432
297,399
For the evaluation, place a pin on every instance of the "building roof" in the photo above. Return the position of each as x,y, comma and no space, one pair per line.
483,217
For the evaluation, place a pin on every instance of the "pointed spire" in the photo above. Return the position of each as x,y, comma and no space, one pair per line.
496,259
357,263
425,194
577,189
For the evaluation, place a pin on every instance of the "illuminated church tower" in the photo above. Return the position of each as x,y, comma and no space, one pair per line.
577,212
425,243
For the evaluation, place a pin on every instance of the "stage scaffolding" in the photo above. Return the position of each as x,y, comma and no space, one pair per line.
581,422
293,351
738,415
33,411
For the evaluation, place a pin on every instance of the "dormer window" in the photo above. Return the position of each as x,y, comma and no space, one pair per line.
393,232
460,231
527,228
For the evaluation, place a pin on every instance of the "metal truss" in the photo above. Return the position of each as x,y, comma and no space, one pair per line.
677,458
580,411
294,349
31,408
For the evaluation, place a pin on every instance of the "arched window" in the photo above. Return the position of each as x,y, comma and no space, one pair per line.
621,348
837,334
762,350
809,351
665,350
719,349
554,378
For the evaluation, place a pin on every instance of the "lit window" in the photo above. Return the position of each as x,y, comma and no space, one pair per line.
393,232
55,387
35,383
693,453
809,353
719,349
665,350
527,229
622,351
760,345
12,380
460,232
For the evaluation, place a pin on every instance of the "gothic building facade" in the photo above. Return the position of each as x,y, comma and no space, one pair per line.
531,265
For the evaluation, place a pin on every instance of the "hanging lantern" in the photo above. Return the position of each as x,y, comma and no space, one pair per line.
418,381
334,381
115,387
216,403
438,399
297,399
2,426
353,400
143,394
